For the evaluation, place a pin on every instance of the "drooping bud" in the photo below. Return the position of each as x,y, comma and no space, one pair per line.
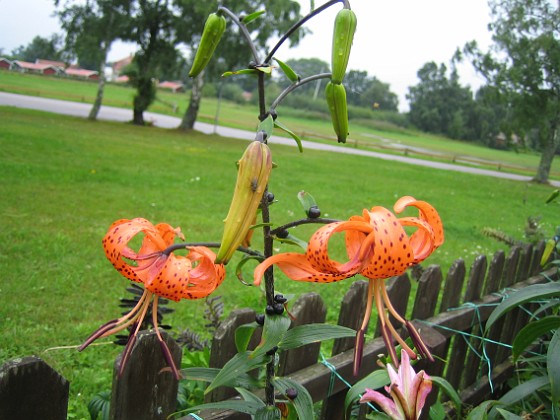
336,100
214,28
343,35
252,177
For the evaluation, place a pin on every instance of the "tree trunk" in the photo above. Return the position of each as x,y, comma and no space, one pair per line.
100,87
138,117
547,156
192,111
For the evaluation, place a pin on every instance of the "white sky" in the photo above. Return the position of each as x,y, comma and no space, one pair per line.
393,41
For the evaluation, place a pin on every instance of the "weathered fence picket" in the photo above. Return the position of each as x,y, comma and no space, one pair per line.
451,332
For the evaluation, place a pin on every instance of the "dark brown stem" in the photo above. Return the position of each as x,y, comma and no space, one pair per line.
302,222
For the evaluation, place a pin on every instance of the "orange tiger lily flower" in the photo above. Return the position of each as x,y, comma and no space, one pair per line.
163,274
378,247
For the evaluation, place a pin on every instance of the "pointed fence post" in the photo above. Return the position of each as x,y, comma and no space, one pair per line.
146,390
31,389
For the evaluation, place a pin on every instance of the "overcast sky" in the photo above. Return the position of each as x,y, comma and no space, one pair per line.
394,39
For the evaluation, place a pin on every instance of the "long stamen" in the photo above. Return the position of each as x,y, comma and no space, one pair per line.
131,316
418,342
390,306
400,340
132,338
163,344
385,330
359,343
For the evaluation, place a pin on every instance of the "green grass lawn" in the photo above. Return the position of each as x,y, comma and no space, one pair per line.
65,180
366,134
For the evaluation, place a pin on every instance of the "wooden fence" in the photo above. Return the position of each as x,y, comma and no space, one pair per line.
449,314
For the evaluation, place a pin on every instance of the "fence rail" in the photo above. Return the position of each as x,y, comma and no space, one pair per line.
450,313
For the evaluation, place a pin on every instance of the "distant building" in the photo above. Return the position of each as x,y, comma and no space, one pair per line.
26,67
121,79
82,73
173,86
118,66
5,63
58,64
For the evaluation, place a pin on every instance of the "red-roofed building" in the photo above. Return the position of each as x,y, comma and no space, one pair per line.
26,67
5,63
173,86
121,79
82,73
119,65
59,64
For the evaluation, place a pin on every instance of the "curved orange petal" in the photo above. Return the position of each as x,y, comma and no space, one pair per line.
206,277
317,253
173,278
426,213
392,253
115,244
296,267
422,241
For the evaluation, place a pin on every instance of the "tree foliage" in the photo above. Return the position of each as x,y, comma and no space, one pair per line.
524,65
39,47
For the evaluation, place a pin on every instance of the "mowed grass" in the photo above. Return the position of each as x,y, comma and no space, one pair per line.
65,180
369,134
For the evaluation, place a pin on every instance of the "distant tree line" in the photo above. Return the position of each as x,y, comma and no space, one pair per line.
518,107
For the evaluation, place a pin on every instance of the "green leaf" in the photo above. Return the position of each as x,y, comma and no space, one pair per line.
266,125
479,413
236,72
375,380
523,390
437,411
508,415
267,413
265,69
533,330
307,201
313,333
550,245
293,240
288,71
553,367
209,374
239,267
291,133
303,404
527,294
243,335
100,405
249,396
247,407
252,16
275,326
449,390
240,364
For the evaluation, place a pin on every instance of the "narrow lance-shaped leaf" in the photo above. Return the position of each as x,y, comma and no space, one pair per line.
291,133
251,17
446,387
237,72
529,293
553,367
533,330
247,407
275,326
313,333
240,364
266,125
243,335
288,71
303,403
374,380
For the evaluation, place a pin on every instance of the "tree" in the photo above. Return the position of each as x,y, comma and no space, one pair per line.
439,104
369,92
152,26
524,64
232,52
39,47
91,28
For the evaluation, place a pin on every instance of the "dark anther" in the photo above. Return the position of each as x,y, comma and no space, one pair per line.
313,212
280,298
259,319
278,308
269,197
291,393
270,310
272,351
283,234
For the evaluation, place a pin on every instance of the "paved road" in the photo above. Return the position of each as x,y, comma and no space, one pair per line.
164,121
